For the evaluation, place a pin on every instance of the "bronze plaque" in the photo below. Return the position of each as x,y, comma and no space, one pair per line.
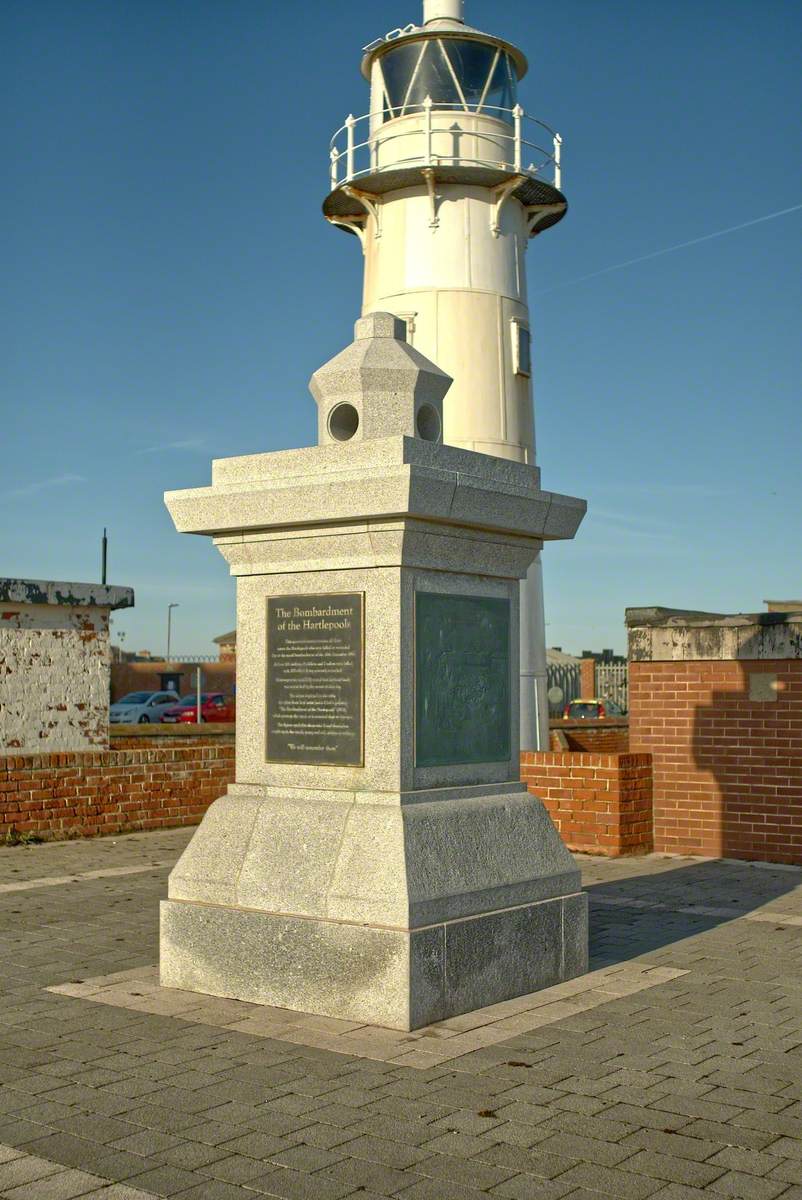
462,680
315,679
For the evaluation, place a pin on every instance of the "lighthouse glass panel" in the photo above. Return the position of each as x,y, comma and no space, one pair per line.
454,72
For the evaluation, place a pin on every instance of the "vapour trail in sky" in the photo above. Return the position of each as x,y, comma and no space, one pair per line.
707,237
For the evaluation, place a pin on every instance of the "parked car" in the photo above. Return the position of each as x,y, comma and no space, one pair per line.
592,710
215,706
141,708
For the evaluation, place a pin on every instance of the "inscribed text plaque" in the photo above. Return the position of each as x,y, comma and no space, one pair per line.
315,691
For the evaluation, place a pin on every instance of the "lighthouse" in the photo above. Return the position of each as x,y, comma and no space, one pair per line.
444,181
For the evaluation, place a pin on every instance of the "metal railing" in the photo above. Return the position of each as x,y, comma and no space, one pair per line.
612,683
351,158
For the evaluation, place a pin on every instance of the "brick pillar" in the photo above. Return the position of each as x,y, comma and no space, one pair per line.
587,678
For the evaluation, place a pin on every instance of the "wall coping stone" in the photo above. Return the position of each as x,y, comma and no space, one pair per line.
72,595
205,730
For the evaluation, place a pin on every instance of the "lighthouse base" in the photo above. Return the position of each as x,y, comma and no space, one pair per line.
394,914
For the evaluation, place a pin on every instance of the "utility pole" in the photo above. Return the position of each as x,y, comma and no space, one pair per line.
170,608
103,556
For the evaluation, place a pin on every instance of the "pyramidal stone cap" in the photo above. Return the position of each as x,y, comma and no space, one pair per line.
379,387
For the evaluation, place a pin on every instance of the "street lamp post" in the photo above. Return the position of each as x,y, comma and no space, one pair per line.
170,608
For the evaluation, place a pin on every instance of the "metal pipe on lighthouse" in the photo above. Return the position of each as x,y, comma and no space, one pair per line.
445,181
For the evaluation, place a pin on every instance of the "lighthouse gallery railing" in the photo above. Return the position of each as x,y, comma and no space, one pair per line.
352,158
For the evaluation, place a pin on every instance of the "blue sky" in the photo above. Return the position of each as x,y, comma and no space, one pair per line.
170,285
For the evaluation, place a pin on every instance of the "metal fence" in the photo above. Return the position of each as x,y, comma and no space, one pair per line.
612,683
565,685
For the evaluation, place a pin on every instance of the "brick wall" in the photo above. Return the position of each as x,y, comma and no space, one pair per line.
727,768
587,679
600,803
149,782
610,736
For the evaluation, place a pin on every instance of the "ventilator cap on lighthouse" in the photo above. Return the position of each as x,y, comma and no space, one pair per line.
443,10
379,387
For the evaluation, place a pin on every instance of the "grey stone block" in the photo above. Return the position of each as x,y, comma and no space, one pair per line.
575,935
314,966
399,978
501,955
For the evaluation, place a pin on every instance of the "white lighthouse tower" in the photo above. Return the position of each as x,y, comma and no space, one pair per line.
444,181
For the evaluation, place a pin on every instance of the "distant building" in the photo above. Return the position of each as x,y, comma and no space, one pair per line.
789,606
228,645
604,656
556,656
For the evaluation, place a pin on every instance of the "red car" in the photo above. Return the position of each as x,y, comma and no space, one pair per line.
215,706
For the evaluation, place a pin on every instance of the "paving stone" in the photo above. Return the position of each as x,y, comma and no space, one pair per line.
215,1189
470,1173
296,1185
789,1171
613,1182
439,1189
572,1146
117,1191
261,1146
147,1142
673,1169
359,1172
25,1169
392,1154
747,1187
718,1135
166,1181
65,1185
525,1187
326,1137
786,1147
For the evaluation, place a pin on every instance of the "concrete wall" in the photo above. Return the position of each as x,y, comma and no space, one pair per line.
54,677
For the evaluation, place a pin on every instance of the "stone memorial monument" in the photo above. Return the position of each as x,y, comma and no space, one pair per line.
377,858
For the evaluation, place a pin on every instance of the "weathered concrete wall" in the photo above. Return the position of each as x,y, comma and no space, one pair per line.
54,677
671,635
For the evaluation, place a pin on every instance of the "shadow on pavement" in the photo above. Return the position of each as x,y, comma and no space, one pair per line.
637,914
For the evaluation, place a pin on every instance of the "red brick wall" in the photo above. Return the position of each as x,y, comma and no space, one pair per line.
141,783
587,679
727,769
600,803
601,737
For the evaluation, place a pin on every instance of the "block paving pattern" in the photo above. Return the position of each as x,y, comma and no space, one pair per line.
689,1087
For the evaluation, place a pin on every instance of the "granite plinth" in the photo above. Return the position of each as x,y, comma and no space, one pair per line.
397,910
398,978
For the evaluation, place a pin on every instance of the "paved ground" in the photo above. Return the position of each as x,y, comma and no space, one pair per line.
685,1086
